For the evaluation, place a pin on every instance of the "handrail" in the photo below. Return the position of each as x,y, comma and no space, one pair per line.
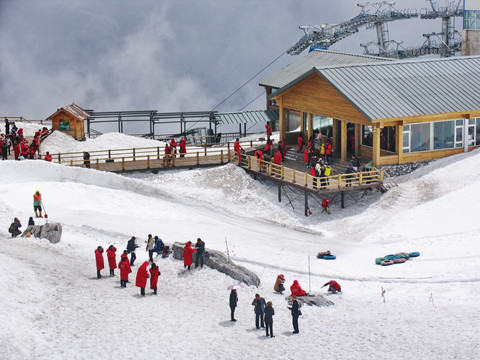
301,178
158,151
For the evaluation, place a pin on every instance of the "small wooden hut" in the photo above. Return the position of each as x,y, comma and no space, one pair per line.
70,119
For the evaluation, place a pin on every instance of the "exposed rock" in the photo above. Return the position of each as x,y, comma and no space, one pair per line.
50,231
220,262
403,169
317,300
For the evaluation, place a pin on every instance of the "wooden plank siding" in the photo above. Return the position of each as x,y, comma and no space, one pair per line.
316,96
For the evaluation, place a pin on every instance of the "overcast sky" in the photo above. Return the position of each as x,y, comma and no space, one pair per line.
181,55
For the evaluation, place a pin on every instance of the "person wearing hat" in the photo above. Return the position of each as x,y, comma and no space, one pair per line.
269,312
295,314
37,203
200,255
278,287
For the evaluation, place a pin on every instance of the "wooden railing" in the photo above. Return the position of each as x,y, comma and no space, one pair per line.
332,182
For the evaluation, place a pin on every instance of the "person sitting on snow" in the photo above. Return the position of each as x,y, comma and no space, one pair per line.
297,290
333,287
278,287
14,228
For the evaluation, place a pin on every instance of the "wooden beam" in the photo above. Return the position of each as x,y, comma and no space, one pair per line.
343,140
310,125
399,143
376,146
281,119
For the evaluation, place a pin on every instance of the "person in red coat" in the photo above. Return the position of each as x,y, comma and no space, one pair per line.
16,151
99,260
48,157
183,147
187,255
168,158
237,148
124,266
112,262
154,272
277,157
269,131
333,287
326,205
300,144
296,289
142,276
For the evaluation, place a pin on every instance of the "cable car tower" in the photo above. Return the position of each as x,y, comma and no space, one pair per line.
377,15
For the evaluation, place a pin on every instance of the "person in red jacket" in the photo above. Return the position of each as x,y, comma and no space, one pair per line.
173,146
269,131
48,157
112,262
296,289
277,157
142,276
124,266
326,205
183,147
300,144
16,151
284,149
268,148
328,153
154,272
187,255
237,148
99,260
333,287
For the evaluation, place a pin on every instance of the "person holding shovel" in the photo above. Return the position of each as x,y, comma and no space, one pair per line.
37,203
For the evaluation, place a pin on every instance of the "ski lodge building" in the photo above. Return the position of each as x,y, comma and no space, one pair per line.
387,111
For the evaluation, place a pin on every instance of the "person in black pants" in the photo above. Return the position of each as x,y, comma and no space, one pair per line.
233,304
259,304
200,254
269,312
131,246
295,314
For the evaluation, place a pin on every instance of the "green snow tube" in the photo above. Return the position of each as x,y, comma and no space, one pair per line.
379,260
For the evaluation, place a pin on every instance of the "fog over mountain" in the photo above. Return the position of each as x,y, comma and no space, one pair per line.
186,55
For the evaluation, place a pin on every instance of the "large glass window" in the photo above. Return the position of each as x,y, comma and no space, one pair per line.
443,135
387,138
324,124
458,133
472,20
367,135
292,118
420,137
406,139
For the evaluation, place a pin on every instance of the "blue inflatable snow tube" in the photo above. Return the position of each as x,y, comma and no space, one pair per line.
329,257
391,257
414,254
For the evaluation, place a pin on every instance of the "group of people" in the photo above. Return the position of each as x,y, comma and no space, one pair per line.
125,267
171,150
14,137
199,256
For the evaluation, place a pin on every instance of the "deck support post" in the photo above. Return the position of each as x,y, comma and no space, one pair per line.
279,192
342,199
306,202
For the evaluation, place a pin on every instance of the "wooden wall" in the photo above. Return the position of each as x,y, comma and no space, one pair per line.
77,130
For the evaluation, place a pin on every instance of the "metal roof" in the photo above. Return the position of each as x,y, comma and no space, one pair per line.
409,88
243,117
316,58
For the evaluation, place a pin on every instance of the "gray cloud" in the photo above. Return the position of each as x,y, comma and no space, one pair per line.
165,55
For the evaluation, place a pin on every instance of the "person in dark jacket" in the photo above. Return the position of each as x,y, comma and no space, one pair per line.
349,170
269,312
14,228
86,159
233,304
259,303
158,245
200,255
99,261
131,246
295,314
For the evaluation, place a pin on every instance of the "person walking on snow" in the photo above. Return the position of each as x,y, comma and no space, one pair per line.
99,261
124,266
154,272
259,303
187,255
37,203
269,312
131,246
233,304
200,255
112,261
142,276
333,287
